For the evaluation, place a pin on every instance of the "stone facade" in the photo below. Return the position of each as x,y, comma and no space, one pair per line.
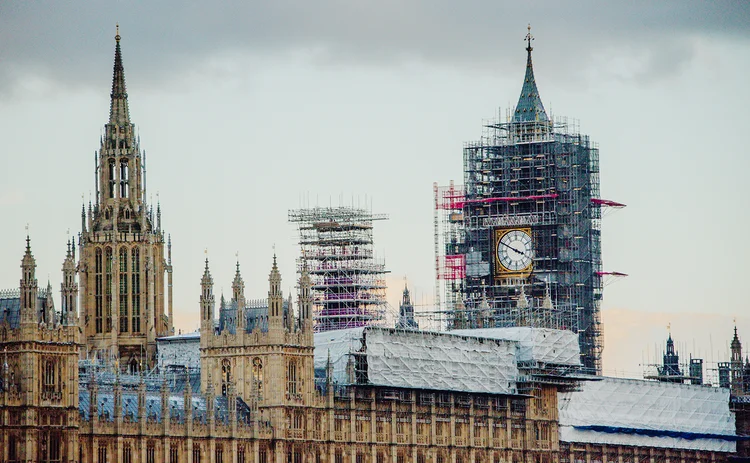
256,398
122,260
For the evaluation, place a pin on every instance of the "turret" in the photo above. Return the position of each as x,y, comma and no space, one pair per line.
210,396
275,299
29,288
406,311
48,315
164,394
93,388
305,300
187,398
142,414
232,404
238,298
117,395
207,304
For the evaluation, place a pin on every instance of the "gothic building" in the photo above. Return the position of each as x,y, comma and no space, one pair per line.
268,390
122,261
40,351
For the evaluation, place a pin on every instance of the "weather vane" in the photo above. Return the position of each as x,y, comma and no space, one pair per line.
528,38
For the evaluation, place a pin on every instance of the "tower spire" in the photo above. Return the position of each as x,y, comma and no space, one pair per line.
529,107
118,109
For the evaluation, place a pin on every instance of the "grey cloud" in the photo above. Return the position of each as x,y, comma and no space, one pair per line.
67,41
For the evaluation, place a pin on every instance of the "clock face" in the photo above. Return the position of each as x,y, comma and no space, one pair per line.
514,250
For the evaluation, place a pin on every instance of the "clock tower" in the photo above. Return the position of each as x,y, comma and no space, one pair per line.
522,241
122,260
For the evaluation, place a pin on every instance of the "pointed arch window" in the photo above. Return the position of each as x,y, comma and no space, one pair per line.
226,375
111,179
133,365
135,290
50,376
123,261
124,178
291,378
108,288
99,290
258,375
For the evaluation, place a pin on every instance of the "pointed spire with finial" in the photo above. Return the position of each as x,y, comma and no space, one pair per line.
275,298
736,344
119,113
238,285
529,107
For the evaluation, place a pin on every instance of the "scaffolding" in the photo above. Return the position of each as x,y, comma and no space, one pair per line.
348,278
542,176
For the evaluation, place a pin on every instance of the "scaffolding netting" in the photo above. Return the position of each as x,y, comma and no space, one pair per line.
647,413
535,345
418,360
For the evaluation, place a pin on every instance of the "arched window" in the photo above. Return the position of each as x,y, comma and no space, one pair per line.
108,288
123,290
291,378
99,290
111,182
133,365
135,290
49,376
258,375
226,375
124,178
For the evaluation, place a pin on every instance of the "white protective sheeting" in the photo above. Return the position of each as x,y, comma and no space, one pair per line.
182,350
656,407
571,434
542,345
338,345
422,360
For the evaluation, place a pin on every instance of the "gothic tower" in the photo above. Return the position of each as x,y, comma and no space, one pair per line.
122,262
39,394
529,216
69,288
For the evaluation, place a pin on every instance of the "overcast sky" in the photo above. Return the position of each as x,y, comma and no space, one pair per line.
248,109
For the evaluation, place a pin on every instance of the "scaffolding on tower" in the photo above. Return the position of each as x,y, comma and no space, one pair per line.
348,278
541,176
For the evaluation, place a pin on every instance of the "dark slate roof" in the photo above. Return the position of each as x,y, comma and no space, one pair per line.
529,107
256,315
176,382
129,399
10,306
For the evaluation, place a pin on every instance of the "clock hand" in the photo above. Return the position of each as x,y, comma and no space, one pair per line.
511,247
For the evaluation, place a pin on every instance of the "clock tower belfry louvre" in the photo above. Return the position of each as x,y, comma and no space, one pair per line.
122,260
519,243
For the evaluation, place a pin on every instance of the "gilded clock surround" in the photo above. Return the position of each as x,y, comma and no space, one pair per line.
502,272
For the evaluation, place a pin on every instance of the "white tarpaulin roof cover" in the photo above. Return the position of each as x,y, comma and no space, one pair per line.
536,344
647,413
420,360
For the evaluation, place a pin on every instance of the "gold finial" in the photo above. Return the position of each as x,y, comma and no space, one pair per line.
117,28
528,38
